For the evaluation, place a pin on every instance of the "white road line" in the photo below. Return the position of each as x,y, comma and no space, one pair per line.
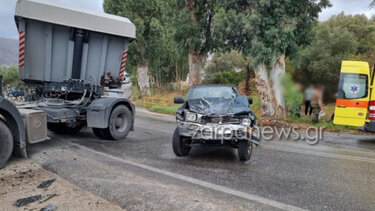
322,154
194,181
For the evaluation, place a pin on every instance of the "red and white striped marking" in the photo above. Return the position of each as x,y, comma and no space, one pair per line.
21,61
123,63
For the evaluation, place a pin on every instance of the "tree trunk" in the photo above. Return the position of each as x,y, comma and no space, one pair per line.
143,79
195,66
263,86
247,82
276,75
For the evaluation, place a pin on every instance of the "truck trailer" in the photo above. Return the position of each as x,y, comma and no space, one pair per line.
69,59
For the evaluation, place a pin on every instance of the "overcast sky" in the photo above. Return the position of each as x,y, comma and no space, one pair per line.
8,28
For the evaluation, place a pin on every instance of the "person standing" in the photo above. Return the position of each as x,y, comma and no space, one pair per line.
308,93
316,103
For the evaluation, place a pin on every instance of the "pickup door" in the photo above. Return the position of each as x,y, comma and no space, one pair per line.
353,94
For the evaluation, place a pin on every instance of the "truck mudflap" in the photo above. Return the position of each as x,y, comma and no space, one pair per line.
99,111
14,119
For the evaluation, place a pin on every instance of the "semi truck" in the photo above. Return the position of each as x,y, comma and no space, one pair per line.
69,58
355,103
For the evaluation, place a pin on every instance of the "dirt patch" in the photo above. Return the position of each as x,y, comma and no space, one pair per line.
20,179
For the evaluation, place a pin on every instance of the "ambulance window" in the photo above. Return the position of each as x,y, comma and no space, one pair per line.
353,86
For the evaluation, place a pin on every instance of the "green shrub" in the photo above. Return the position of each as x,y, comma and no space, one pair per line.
10,74
225,77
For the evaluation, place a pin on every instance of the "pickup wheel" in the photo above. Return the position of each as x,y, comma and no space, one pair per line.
245,149
178,145
120,122
6,143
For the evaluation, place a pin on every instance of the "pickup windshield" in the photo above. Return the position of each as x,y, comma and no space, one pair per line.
212,92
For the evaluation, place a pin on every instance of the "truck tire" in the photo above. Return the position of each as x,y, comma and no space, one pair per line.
178,145
119,125
245,149
61,128
6,143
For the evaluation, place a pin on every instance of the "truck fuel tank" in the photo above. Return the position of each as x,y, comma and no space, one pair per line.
35,124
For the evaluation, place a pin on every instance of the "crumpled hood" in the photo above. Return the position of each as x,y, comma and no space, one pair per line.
219,106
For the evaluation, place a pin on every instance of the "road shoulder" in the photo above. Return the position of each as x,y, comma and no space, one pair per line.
20,179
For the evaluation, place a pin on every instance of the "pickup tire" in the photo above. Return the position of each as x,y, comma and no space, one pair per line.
178,145
6,143
245,149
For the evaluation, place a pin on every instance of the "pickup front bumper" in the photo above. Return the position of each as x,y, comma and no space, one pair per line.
218,132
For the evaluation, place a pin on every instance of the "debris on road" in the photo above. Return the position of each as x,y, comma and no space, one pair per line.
47,197
49,207
27,200
46,184
18,188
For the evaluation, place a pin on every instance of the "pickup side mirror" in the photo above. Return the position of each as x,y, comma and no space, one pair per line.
179,100
250,100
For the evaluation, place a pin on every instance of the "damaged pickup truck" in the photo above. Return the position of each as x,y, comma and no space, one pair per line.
215,115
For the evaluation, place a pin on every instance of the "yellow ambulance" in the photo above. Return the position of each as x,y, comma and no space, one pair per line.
355,102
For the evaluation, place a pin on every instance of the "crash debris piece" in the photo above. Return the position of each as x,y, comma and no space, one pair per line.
49,207
27,200
47,197
46,184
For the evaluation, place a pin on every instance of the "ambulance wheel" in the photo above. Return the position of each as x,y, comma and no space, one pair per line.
6,143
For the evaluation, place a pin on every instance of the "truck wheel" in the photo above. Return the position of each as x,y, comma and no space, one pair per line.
6,144
178,145
245,149
61,128
120,123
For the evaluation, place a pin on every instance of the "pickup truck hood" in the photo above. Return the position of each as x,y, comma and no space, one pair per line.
219,106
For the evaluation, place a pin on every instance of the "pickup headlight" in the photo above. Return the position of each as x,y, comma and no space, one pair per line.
246,122
190,117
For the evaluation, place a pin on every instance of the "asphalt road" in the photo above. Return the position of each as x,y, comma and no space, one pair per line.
142,172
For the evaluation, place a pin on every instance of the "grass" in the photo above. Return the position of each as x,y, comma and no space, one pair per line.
164,109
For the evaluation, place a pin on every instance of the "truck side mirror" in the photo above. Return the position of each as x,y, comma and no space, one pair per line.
250,100
178,100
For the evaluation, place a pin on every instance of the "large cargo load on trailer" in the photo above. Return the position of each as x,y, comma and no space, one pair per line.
58,43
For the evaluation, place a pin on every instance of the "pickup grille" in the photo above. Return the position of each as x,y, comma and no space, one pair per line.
220,119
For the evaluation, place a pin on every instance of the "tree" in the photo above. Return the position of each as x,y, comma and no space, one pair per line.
193,23
266,32
363,31
321,61
146,15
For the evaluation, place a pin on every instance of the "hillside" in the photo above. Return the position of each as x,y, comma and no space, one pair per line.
8,51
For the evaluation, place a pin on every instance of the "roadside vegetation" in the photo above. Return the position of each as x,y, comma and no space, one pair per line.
182,43
10,74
